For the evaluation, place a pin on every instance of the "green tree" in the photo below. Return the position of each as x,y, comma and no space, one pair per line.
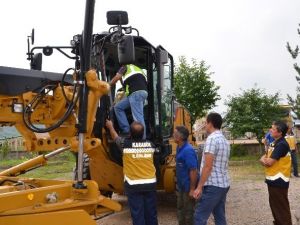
193,87
4,148
295,102
252,111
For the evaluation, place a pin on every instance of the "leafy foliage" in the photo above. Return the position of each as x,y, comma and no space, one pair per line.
295,103
193,87
4,149
238,150
252,111
294,53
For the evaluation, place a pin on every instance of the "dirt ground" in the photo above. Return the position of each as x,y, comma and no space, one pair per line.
247,204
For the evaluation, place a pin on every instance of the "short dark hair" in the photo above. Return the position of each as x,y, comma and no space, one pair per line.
281,127
215,119
183,131
137,130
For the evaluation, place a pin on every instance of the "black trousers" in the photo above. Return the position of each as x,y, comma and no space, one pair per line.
280,206
294,162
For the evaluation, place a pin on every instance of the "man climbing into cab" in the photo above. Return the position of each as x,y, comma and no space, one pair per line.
134,82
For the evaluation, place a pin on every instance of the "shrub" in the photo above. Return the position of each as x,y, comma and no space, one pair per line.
238,150
4,149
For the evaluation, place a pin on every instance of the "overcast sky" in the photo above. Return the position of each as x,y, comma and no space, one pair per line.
242,40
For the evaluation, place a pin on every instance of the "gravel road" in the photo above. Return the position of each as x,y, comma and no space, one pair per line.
247,204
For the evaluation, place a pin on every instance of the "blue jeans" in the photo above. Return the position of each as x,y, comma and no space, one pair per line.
136,102
142,205
212,201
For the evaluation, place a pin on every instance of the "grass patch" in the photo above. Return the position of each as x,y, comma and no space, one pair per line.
53,170
6,163
246,167
247,170
245,158
58,167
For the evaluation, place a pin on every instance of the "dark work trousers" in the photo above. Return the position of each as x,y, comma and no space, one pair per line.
294,162
185,208
280,206
142,205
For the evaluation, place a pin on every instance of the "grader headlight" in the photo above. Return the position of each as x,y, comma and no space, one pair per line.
17,107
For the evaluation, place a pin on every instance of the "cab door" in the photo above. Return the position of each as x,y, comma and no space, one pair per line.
165,97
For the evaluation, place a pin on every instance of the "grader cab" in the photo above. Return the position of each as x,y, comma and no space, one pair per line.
66,112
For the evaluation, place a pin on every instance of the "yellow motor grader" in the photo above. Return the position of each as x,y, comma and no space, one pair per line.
66,112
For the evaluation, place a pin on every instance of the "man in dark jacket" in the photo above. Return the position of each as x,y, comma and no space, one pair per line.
277,163
134,82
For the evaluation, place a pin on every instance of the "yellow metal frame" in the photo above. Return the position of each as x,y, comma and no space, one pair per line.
27,201
34,201
74,217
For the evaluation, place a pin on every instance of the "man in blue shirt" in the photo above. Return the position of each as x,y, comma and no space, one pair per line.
268,140
186,174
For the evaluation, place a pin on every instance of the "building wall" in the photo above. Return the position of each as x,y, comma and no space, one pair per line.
15,144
